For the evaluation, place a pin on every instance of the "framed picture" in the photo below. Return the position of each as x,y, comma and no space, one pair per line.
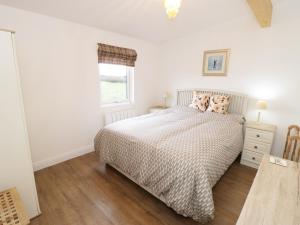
215,62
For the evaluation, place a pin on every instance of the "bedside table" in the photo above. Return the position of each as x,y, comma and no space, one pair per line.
258,141
157,109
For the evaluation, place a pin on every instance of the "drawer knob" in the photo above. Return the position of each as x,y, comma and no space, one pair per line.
253,158
258,135
255,147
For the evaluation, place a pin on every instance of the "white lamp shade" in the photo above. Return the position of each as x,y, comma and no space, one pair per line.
166,95
261,104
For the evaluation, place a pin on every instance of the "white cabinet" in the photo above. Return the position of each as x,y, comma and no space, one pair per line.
15,158
258,141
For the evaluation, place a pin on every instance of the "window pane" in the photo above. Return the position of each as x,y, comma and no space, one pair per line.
113,83
112,70
113,91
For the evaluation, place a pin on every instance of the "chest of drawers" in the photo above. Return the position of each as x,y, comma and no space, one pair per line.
258,141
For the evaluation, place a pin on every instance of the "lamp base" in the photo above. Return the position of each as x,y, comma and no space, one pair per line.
259,117
165,102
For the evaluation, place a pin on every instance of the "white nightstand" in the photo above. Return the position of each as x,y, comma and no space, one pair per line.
258,141
157,109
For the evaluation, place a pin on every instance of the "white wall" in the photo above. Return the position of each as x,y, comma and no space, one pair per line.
59,76
264,64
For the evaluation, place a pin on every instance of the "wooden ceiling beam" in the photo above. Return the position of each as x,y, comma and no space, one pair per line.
263,10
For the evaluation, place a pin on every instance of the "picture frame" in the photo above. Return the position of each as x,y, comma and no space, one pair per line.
215,62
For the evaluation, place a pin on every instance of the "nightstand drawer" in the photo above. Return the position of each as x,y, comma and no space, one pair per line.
257,146
259,135
253,157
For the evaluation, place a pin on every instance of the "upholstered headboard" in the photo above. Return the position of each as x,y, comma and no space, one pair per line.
238,103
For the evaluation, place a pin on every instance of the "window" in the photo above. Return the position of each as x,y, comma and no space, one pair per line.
116,83
116,70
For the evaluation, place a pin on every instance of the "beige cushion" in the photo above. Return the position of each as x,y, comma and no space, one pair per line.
219,104
200,101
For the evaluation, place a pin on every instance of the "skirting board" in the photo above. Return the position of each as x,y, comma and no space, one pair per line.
61,158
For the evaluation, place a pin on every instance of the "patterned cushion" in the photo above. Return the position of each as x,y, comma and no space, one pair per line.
200,101
219,104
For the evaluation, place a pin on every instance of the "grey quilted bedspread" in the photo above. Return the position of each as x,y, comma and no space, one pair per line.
179,154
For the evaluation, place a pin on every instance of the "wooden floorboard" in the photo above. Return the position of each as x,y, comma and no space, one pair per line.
80,192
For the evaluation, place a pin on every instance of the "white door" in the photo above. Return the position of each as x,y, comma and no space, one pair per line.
15,158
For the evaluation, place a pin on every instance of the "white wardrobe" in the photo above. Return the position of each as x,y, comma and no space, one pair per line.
15,157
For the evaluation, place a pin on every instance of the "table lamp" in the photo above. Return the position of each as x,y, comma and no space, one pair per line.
165,97
261,105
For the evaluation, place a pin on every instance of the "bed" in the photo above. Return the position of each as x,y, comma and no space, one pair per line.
178,154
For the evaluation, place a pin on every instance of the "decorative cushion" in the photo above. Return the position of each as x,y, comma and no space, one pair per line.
219,104
200,101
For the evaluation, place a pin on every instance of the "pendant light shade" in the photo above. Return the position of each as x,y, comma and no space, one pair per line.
172,8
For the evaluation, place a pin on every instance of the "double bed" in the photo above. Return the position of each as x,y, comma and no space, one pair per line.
178,154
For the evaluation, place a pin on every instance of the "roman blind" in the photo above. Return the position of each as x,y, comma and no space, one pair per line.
116,55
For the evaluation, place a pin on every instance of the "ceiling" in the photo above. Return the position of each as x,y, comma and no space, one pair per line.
145,19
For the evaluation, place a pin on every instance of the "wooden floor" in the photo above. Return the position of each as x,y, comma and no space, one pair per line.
79,192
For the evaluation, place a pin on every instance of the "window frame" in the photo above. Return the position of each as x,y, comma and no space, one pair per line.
129,87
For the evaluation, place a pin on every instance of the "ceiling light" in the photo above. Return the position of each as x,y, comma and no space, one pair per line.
172,8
